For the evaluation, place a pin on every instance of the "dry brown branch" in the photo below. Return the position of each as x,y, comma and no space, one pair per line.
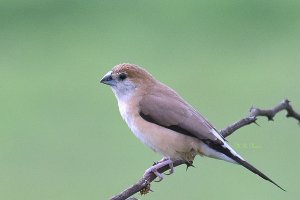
256,112
143,185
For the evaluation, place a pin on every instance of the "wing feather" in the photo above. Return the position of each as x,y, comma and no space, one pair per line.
166,108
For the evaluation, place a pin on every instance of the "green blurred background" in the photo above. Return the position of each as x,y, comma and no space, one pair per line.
61,136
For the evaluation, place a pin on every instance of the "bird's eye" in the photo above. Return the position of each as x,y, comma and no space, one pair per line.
122,76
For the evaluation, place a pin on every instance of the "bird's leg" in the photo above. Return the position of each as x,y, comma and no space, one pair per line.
154,169
170,165
171,169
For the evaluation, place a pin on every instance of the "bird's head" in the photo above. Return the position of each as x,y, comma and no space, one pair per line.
125,79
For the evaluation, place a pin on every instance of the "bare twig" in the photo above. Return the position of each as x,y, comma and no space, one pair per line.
256,112
144,182
143,185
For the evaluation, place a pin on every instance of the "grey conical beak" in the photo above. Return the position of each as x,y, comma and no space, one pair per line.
108,79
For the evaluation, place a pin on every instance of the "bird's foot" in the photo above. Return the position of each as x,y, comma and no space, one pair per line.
156,162
171,169
154,169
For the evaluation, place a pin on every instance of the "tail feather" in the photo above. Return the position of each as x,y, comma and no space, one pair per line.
226,150
256,171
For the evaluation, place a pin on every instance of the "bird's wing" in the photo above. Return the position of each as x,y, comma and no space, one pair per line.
167,109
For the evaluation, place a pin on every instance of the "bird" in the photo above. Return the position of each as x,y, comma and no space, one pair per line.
159,117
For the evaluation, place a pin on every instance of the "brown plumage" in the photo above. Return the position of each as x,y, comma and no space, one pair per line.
166,123
134,72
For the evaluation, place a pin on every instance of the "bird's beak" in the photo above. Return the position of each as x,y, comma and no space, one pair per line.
107,79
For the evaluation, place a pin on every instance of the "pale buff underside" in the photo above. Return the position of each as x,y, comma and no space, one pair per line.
168,143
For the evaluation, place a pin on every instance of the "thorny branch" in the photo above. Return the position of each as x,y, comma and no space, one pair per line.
143,185
256,112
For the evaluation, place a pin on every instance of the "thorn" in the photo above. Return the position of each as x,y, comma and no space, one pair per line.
255,122
154,163
189,164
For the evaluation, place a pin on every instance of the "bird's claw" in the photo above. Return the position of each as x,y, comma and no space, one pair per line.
171,169
154,169
168,173
159,176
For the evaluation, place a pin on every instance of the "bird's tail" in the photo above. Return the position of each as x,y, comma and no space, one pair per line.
225,152
255,171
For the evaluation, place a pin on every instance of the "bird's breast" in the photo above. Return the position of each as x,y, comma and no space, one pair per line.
158,138
130,115
126,112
